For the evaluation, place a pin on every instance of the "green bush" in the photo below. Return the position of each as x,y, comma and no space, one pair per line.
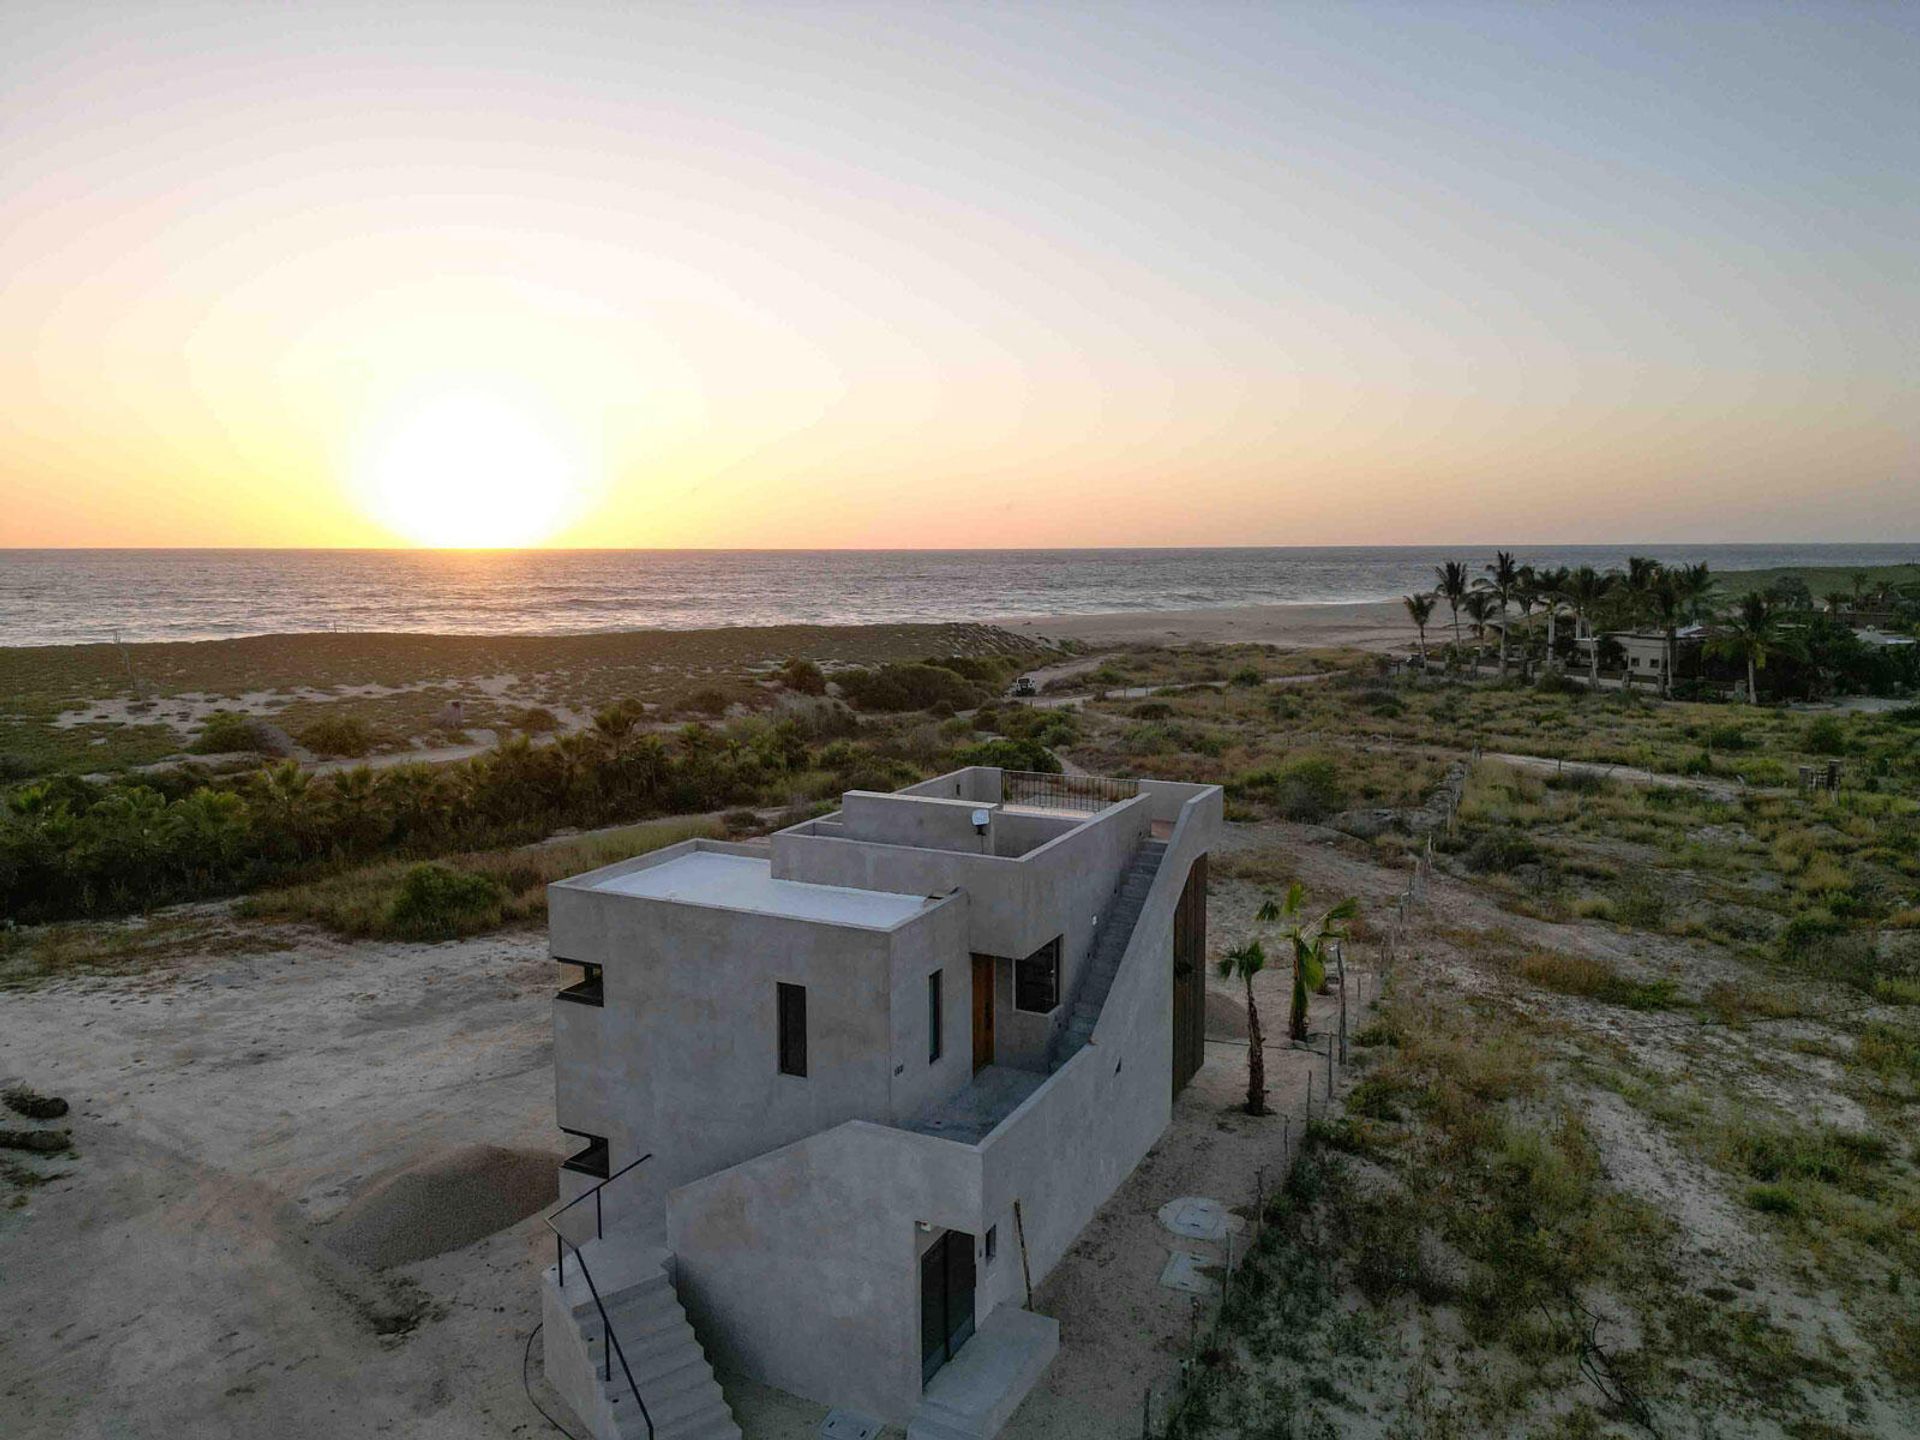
1818,942
438,902
1826,736
1304,790
1246,676
911,687
1773,1200
1500,850
538,720
803,676
224,732
338,735
1010,755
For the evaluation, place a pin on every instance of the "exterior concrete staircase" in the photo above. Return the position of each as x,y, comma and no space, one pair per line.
1116,930
669,1366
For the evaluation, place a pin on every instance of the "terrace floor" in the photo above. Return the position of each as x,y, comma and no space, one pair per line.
969,1116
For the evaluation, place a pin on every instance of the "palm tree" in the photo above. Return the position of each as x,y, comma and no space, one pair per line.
1244,963
1453,589
1666,603
1420,611
1308,940
1751,633
1586,590
1504,579
1529,590
1837,600
1480,607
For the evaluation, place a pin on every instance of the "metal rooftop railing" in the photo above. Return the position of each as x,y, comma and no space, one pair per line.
1079,794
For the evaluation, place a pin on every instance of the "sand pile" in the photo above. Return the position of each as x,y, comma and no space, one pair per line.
1227,1017
443,1202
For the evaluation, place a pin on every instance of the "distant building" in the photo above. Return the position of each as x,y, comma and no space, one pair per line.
1645,652
885,1066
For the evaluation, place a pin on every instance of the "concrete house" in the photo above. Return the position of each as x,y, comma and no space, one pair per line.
883,1068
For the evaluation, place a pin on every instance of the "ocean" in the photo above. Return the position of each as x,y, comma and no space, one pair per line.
64,597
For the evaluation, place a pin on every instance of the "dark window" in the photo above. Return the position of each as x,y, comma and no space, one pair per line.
590,990
1036,979
793,1029
591,1159
993,1242
935,1014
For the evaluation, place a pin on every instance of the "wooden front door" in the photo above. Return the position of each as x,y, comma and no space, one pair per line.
982,1012
1190,976
946,1300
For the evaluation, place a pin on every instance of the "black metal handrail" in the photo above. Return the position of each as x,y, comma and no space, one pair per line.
1085,794
561,1244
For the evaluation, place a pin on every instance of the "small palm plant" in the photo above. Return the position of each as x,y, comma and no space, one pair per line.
1243,964
1308,939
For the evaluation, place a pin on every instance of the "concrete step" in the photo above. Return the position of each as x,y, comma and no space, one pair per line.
689,1398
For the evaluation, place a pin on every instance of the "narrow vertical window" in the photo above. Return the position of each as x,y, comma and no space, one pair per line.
793,1029
936,1014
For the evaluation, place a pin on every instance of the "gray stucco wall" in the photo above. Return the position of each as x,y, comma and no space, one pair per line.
800,1267
683,1058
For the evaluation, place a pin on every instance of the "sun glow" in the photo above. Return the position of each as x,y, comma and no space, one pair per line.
471,471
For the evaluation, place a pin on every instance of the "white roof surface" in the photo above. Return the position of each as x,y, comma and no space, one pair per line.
745,882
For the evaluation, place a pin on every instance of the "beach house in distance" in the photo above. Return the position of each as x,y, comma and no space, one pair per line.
882,1069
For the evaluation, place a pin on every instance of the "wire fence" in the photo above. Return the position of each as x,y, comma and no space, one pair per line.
1163,1413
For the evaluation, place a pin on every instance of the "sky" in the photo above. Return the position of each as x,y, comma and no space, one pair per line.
906,275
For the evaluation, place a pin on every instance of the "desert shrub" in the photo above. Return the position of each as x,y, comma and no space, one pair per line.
1304,789
438,902
741,822
1246,676
803,676
338,735
1557,682
1152,710
708,701
911,687
1728,737
1499,850
538,720
14,767
1772,1200
1819,943
1826,736
1010,755
225,731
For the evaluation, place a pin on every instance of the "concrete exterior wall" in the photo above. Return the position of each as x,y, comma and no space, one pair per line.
1015,905
930,821
828,1224
683,1059
796,1208
801,1267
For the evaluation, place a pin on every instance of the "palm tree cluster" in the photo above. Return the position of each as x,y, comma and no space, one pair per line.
1646,593
69,847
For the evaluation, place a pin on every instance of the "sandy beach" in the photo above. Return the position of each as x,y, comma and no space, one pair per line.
1371,625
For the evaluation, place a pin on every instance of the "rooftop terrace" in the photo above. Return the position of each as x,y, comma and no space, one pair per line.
745,882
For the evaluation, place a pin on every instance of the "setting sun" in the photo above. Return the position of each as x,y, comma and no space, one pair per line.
470,471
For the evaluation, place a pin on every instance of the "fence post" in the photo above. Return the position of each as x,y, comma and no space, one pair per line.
1340,956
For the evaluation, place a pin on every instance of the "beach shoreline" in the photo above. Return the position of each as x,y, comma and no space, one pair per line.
1360,625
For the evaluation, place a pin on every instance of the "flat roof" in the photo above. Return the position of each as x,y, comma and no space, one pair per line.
745,882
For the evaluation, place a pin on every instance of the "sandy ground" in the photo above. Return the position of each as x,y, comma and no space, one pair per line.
1373,625
176,1277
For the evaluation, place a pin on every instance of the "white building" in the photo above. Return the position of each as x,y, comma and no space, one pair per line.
884,1067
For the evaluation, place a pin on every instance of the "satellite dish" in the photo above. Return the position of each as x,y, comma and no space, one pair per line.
981,818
